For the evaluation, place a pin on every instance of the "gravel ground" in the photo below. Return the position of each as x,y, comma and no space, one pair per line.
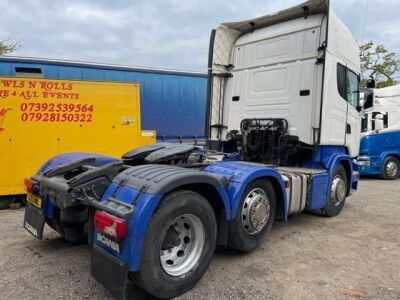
310,257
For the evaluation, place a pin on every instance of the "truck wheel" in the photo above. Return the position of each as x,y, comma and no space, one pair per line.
391,168
178,246
338,193
6,201
256,213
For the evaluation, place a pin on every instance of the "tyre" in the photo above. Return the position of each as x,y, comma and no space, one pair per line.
6,201
391,168
256,213
178,246
338,193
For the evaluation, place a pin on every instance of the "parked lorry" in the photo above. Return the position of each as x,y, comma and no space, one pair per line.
283,129
380,138
166,95
40,118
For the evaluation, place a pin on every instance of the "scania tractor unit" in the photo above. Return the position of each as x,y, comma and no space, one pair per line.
380,137
283,128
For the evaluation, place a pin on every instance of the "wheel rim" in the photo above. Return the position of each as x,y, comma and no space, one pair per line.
182,245
255,211
391,168
338,190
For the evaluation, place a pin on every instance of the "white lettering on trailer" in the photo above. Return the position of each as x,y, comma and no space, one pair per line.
108,242
31,229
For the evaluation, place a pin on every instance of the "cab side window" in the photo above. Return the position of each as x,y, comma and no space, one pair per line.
385,119
352,88
347,83
341,80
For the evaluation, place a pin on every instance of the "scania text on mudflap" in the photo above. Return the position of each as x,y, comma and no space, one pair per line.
283,128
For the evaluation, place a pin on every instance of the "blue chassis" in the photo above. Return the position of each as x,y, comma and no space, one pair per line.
239,175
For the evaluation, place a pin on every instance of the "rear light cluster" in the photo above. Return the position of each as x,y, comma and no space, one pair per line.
109,224
28,185
31,186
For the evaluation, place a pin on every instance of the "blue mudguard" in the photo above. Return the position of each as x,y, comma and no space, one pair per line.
65,158
242,173
144,187
328,157
62,159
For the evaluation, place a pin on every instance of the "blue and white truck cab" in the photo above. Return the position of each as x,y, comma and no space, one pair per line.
380,133
283,129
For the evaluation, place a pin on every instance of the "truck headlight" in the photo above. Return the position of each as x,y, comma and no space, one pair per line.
364,160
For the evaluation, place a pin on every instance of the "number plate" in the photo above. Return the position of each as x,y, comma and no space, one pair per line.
34,200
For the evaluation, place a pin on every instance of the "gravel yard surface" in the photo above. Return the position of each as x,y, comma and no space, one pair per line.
354,255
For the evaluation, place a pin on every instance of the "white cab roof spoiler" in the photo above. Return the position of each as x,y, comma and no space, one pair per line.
390,91
307,8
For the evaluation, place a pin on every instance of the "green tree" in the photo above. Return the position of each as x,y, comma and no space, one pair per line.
378,63
8,46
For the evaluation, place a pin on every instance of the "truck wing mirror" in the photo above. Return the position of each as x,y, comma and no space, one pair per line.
370,84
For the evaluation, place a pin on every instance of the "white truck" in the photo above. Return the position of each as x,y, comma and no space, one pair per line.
283,129
380,133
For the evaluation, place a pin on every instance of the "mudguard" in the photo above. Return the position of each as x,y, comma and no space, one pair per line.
240,174
66,158
161,179
63,191
144,186
328,157
55,188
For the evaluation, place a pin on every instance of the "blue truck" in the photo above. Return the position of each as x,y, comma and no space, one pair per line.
380,138
167,96
282,127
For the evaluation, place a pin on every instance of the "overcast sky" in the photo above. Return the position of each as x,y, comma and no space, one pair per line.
161,33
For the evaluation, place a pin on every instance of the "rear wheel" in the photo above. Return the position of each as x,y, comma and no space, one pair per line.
255,216
178,246
6,201
391,168
338,193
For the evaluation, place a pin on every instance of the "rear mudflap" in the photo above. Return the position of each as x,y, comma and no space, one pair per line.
34,220
109,271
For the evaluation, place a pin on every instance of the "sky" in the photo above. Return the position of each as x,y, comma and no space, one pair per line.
162,33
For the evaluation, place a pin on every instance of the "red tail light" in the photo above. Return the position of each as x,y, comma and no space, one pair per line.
109,224
28,185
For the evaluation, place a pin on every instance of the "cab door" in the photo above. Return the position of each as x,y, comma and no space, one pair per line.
353,124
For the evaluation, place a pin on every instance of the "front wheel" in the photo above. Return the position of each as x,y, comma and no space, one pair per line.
256,213
178,246
337,193
391,168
